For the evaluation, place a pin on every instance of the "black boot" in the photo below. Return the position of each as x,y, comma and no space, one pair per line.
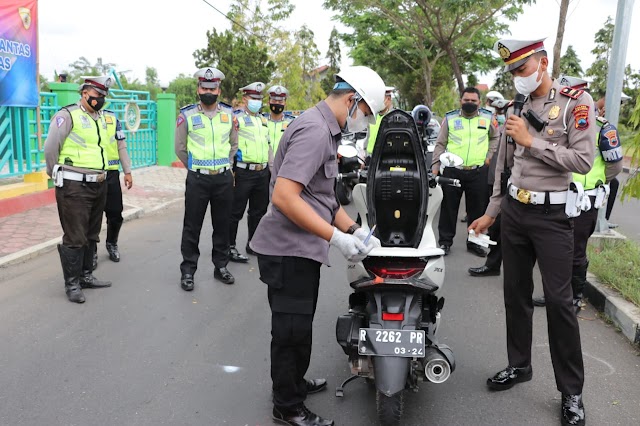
578,281
95,259
71,260
113,230
88,280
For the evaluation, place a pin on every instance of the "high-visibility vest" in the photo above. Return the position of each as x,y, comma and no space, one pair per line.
469,137
208,138
86,144
115,133
373,133
253,138
276,129
598,174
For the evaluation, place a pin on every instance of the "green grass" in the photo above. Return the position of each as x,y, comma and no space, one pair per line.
617,264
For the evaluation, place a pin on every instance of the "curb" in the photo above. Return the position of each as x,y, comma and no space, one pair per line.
47,246
625,315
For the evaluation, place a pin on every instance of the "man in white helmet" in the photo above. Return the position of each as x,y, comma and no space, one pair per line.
293,238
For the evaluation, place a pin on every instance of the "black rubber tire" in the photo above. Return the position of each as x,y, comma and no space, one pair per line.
390,408
344,193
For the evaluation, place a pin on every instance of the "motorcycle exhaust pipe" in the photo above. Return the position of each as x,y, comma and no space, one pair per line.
436,368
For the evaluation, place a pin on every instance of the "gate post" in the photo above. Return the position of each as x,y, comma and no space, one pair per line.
166,128
67,93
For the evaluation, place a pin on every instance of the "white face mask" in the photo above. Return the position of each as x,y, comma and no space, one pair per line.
527,85
358,124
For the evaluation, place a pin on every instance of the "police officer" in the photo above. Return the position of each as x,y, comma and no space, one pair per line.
606,166
554,137
471,133
277,122
251,167
206,143
117,155
304,218
76,156
374,128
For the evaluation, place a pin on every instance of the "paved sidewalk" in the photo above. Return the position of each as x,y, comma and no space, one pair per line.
27,234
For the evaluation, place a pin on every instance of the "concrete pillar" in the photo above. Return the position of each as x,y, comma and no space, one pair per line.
166,128
67,93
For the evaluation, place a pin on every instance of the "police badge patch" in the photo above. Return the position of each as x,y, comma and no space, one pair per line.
457,125
581,115
85,122
59,121
196,121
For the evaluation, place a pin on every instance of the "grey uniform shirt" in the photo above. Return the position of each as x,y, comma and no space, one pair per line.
564,145
307,154
59,130
443,139
182,130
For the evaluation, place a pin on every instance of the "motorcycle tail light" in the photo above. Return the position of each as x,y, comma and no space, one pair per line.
387,316
396,268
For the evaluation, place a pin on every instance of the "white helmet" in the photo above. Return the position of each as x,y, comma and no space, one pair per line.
494,95
368,84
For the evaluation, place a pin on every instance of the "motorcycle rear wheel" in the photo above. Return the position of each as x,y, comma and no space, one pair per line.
390,408
344,193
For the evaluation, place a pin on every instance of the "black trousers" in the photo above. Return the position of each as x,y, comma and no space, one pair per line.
80,206
293,294
474,186
584,225
494,257
113,208
613,191
530,233
251,186
202,190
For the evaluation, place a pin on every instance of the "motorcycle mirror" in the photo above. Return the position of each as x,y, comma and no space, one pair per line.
350,151
448,159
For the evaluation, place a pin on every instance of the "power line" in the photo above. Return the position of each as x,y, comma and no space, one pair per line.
227,16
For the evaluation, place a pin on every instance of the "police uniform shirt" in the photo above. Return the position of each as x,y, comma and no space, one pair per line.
60,128
182,131
443,139
307,154
554,154
610,149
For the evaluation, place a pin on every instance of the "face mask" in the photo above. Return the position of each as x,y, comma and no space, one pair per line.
276,108
208,98
95,102
358,124
527,85
501,119
469,107
254,105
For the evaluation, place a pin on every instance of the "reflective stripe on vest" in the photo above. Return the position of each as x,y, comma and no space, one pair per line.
208,139
112,144
598,173
373,134
86,145
469,138
253,139
276,128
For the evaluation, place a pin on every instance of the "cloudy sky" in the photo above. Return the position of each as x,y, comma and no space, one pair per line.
134,34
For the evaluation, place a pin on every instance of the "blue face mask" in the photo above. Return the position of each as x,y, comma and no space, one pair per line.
254,105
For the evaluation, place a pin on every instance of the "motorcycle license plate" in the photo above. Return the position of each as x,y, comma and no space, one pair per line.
402,343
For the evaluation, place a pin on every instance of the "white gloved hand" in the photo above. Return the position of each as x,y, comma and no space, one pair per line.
350,246
373,241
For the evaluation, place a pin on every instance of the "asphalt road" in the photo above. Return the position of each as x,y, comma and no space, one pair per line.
625,213
144,352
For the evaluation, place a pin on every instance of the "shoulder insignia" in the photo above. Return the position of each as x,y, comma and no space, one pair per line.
571,93
453,112
223,105
602,121
238,111
188,107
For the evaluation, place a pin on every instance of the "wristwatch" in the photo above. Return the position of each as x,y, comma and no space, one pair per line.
353,228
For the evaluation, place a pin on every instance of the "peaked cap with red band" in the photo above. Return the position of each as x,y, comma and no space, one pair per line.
101,83
514,53
253,90
209,77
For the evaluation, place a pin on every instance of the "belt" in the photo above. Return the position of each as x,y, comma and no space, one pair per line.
591,192
252,166
83,177
210,172
532,197
467,167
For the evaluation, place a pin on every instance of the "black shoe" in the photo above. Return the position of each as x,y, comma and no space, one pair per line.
112,249
94,266
483,271
577,304
477,250
446,248
249,250
223,274
572,411
235,256
74,294
539,301
299,417
508,377
316,385
87,280
186,282
613,225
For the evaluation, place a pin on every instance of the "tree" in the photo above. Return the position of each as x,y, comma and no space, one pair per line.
151,82
334,58
242,60
557,48
472,80
600,67
632,187
185,89
83,67
504,84
570,63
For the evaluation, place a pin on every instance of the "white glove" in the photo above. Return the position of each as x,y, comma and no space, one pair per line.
373,241
350,246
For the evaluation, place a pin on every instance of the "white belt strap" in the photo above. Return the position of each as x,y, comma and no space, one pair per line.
210,172
252,166
533,197
602,196
577,201
83,177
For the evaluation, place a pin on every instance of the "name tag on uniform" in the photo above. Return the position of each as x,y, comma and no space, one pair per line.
482,123
457,125
248,121
84,121
196,121
224,118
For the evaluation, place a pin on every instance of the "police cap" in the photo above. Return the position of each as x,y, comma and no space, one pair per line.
253,90
573,82
101,83
209,77
278,93
515,53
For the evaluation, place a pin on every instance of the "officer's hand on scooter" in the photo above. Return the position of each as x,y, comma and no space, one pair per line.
349,245
373,242
480,225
